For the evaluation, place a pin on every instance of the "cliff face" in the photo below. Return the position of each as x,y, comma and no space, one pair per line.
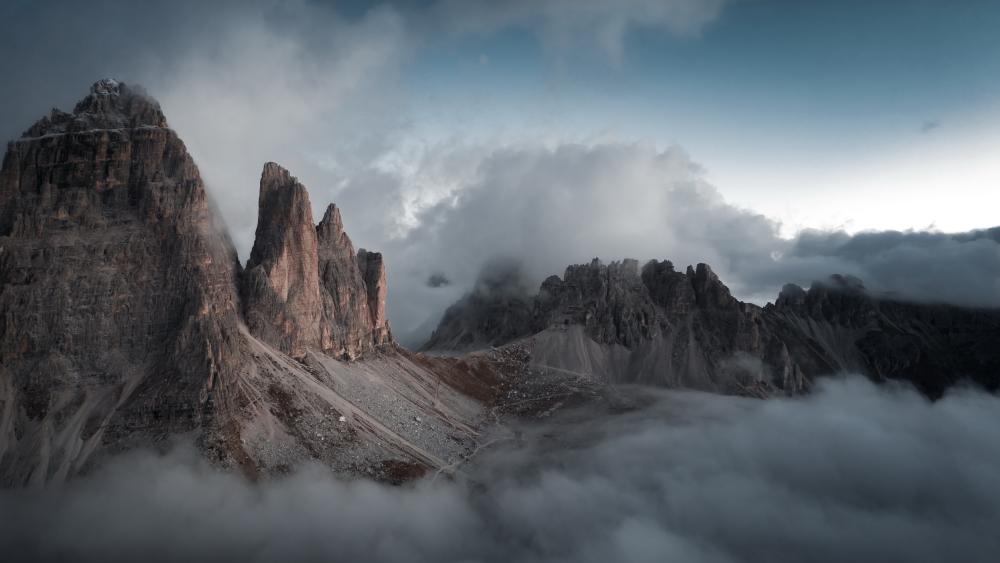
122,323
373,272
117,291
664,327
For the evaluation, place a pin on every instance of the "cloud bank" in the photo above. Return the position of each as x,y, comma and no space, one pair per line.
853,472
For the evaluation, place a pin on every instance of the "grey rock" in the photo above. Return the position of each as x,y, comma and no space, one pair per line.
664,327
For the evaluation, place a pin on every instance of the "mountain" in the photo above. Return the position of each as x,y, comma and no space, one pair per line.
126,318
656,325
304,287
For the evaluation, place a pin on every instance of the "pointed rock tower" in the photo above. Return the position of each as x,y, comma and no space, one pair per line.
304,287
118,303
281,282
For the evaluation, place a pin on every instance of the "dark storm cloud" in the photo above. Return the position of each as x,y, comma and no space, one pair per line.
55,49
853,472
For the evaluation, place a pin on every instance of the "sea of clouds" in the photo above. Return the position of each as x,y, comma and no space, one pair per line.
852,472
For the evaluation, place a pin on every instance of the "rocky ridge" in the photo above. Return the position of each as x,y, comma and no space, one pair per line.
656,325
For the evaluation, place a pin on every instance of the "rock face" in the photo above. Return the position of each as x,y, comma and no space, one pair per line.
122,322
660,326
349,329
838,326
117,291
373,272
304,287
610,302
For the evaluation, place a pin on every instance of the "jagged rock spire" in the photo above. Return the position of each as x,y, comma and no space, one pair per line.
120,287
281,283
303,286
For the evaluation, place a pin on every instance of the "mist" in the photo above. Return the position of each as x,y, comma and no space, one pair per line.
851,472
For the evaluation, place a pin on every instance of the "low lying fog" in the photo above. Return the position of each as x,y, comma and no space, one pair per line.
851,473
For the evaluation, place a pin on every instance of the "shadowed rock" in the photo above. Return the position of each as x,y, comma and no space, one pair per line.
281,289
676,329
118,302
373,272
355,310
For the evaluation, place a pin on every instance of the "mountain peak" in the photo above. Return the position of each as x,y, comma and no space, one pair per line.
110,104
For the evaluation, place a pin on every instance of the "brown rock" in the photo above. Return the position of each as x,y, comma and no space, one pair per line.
281,289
